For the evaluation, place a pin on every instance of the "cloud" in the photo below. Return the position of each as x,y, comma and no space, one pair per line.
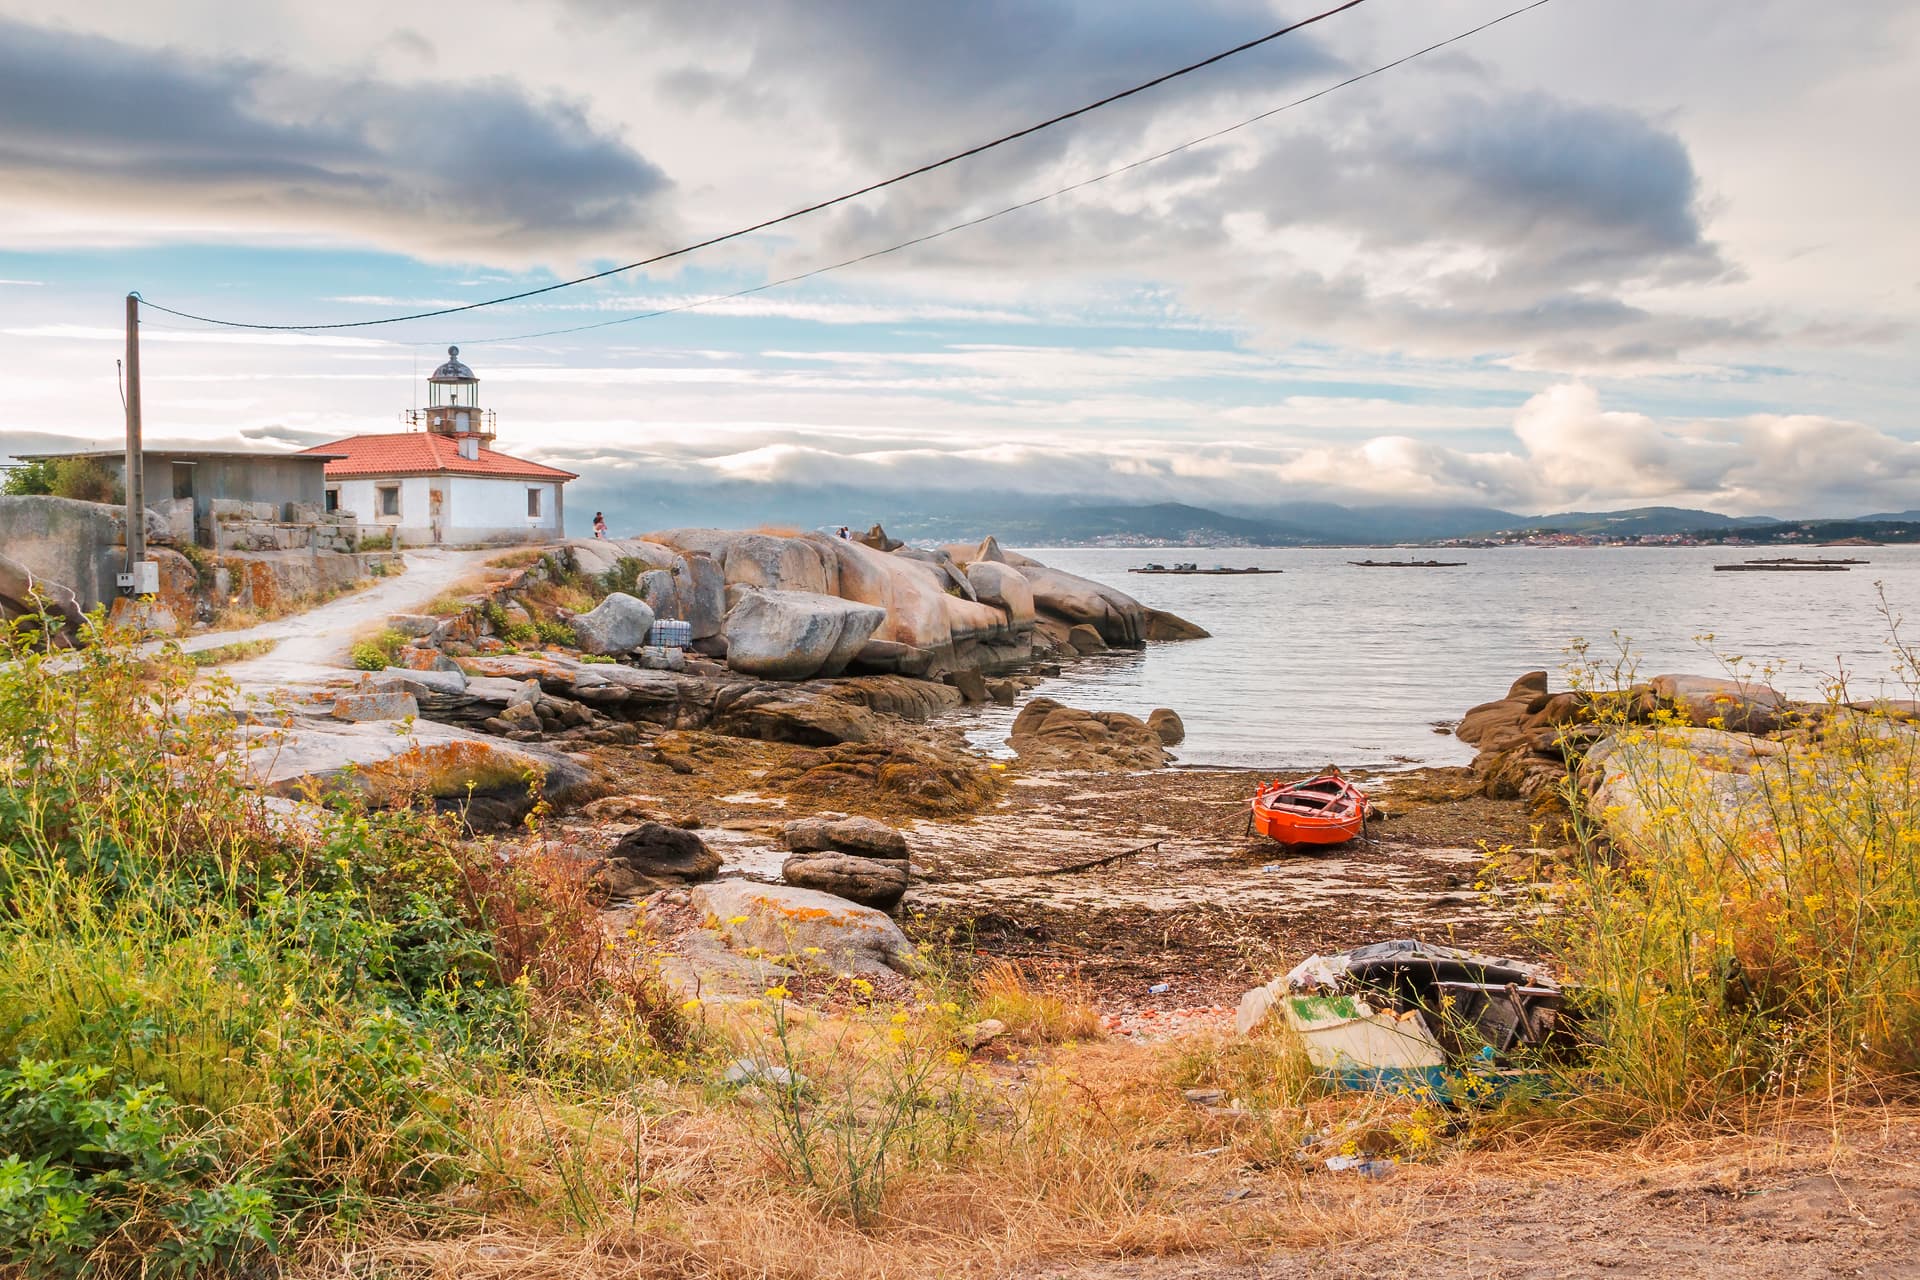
462,169
1564,451
1489,223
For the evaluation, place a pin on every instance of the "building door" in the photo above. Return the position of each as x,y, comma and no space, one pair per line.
436,513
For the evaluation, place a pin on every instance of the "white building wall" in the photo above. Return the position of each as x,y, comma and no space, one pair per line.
495,509
472,509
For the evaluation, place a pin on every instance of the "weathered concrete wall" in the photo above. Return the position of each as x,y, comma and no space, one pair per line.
263,478
76,544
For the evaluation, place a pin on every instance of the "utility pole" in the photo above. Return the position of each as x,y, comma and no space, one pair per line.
136,464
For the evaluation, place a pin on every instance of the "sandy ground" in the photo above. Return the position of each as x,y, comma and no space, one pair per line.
1805,1202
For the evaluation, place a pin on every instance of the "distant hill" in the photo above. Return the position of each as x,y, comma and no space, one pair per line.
1637,521
1025,519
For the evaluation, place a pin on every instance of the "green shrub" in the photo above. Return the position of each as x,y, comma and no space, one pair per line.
85,479
379,653
507,629
103,1155
217,1029
551,632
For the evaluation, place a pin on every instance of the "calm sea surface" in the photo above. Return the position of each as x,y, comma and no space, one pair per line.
1327,662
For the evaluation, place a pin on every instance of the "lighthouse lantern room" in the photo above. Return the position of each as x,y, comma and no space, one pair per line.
453,402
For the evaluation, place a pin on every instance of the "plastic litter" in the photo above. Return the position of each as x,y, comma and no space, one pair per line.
1365,1166
1159,988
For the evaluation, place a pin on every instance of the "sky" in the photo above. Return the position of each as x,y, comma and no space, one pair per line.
1608,253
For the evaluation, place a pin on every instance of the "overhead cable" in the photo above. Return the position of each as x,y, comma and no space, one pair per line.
1014,208
816,207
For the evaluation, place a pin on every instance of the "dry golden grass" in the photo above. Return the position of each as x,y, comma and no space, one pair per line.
1034,1013
1089,1156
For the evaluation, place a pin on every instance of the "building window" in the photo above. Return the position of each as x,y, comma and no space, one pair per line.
389,499
183,480
333,502
533,504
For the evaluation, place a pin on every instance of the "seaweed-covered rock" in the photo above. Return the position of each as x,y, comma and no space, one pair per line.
1050,735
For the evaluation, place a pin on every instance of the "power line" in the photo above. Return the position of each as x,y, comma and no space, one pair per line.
929,167
1024,204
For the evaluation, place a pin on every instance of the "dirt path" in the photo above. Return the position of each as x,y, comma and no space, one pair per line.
322,636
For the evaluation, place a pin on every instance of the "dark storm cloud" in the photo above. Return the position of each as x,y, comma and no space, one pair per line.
87,120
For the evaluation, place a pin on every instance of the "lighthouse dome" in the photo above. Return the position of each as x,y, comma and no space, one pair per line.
452,370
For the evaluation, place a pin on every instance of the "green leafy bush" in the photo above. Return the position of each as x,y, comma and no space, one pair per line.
217,1028
379,653
85,479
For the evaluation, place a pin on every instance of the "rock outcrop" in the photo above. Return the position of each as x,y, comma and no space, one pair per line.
872,882
864,837
1710,702
782,920
796,635
617,625
1528,740
945,610
1050,735
654,856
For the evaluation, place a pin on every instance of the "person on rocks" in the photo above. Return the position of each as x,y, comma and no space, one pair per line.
599,524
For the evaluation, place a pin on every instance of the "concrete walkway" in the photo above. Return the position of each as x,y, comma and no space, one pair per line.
323,636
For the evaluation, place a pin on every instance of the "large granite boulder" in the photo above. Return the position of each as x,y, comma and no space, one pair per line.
1167,724
796,635
654,856
1646,785
659,590
863,836
617,625
1117,616
600,557
1004,587
782,920
872,882
1050,735
24,595
1709,702
703,597
1164,626
777,564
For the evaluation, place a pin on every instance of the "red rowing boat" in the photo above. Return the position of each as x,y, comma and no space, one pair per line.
1326,809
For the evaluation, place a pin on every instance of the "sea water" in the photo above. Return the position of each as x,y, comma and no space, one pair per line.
1330,663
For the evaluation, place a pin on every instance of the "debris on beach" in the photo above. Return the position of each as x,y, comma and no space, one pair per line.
1403,1013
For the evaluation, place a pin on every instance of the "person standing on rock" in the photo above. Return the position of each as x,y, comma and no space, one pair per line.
599,524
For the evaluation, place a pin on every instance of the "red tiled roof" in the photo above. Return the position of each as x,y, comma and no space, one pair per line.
416,453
